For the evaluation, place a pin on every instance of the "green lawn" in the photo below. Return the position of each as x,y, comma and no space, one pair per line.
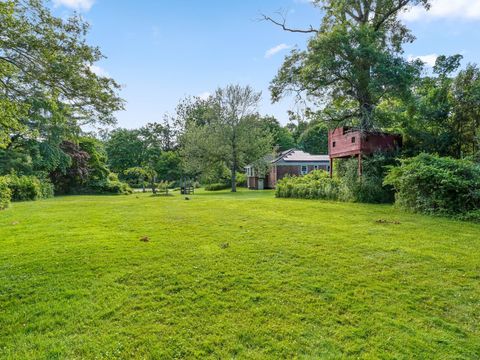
235,276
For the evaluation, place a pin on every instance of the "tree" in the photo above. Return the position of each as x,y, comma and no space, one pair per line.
45,57
125,150
48,90
234,136
143,174
314,139
282,137
353,60
443,115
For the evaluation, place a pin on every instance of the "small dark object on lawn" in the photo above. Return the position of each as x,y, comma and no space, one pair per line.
383,221
187,198
145,239
224,245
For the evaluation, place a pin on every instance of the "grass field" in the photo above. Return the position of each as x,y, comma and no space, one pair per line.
235,276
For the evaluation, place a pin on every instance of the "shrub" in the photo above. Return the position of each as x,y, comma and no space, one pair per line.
241,179
316,185
108,185
5,193
437,185
24,188
46,189
368,188
29,188
216,187
346,185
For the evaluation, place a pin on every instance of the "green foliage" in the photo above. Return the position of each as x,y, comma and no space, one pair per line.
151,146
437,185
234,137
241,179
109,185
216,187
28,188
346,185
369,187
47,190
88,172
315,185
125,150
353,61
282,137
169,166
5,193
314,139
47,60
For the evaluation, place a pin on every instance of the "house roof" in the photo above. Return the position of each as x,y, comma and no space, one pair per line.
294,155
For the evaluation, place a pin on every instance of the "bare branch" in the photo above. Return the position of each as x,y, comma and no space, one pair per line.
282,24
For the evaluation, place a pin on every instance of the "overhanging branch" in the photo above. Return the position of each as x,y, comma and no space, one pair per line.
283,25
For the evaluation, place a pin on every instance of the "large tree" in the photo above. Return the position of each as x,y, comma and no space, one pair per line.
443,115
353,60
234,136
46,69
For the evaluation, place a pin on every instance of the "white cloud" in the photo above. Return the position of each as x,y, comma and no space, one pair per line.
276,49
205,95
429,59
82,5
445,9
97,70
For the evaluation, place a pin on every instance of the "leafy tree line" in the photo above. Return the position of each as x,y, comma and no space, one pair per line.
48,91
209,140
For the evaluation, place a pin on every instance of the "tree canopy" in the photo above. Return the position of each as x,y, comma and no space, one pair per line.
353,61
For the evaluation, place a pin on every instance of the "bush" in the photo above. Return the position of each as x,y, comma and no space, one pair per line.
29,188
46,189
316,185
346,185
216,187
241,179
368,188
5,193
24,188
109,185
437,185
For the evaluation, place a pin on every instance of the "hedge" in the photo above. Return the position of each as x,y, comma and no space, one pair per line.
437,185
315,185
216,187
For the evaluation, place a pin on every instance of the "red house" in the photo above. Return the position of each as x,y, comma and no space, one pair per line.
347,142
291,162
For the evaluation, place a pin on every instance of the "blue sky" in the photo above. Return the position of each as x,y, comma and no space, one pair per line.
162,51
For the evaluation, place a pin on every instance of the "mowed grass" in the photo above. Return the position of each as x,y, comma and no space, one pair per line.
240,275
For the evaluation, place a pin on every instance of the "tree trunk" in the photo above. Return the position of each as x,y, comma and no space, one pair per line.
234,179
234,162
366,111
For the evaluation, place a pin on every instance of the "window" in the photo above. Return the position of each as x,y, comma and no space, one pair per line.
353,139
333,144
304,169
315,167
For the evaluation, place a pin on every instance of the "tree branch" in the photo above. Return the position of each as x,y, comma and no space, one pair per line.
285,28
